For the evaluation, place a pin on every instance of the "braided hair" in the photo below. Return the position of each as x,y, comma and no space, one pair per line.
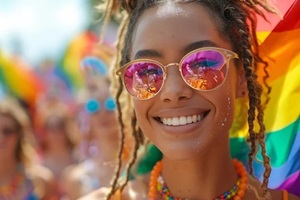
236,21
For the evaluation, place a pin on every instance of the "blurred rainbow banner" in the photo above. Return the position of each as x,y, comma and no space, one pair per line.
281,48
81,46
19,80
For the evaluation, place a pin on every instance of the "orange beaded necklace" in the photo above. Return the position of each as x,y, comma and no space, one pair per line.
239,194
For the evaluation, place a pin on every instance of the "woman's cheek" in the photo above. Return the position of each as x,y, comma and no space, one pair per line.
225,107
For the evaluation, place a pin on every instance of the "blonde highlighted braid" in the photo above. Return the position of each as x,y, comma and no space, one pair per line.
236,21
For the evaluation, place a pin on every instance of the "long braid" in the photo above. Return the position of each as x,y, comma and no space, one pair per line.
124,44
249,53
265,82
118,169
140,136
261,140
117,84
255,92
252,107
121,58
258,59
255,43
237,15
109,8
134,153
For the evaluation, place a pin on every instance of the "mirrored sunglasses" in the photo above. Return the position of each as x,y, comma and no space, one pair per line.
203,69
93,105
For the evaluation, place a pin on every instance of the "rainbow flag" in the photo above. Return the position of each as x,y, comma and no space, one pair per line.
281,48
264,28
79,47
19,80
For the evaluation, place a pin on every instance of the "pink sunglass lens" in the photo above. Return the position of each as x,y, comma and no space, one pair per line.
204,70
143,80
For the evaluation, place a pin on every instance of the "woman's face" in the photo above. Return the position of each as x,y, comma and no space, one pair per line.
103,121
166,33
8,136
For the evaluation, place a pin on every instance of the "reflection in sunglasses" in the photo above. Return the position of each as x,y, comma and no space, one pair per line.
145,83
208,80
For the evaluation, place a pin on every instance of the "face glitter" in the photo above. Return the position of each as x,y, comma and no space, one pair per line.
170,8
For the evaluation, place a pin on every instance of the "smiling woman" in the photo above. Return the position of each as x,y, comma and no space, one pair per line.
185,64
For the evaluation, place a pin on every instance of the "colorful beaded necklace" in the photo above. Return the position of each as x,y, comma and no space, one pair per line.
12,187
237,192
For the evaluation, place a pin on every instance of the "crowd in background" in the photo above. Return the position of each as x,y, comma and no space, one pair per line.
58,140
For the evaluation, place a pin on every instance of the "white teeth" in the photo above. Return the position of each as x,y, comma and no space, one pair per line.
199,117
182,120
189,119
175,121
169,121
194,118
164,120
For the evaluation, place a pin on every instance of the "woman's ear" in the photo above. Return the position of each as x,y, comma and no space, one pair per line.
241,87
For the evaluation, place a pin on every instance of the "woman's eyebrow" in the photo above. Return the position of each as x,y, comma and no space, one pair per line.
144,53
147,53
199,44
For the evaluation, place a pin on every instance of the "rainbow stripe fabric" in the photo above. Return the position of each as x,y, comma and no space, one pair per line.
69,66
18,79
281,49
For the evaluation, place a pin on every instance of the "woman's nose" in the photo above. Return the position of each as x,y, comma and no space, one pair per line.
174,88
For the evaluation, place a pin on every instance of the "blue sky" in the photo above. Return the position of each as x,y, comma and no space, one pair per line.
41,27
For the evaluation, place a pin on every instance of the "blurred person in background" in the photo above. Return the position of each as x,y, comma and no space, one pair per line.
56,140
98,127
21,178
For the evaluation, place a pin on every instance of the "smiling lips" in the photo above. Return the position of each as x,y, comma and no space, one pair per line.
182,120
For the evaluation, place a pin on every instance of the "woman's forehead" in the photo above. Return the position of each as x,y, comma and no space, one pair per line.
174,26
